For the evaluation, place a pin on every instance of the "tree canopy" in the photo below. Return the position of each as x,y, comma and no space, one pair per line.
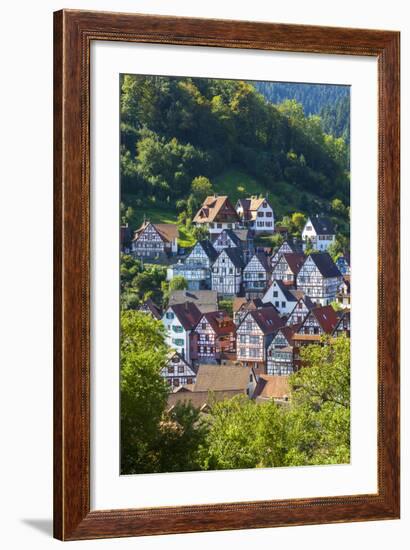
179,133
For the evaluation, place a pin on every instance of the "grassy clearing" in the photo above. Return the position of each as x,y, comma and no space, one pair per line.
186,239
237,184
284,197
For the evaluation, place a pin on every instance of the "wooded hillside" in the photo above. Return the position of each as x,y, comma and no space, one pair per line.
176,129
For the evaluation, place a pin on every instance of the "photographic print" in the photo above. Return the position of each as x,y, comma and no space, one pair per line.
235,274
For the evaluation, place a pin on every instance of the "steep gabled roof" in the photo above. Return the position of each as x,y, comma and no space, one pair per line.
250,206
327,318
325,264
173,353
267,319
322,225
232,235
264,260
235,255
345,316
244,304
216,208
290,297
187,314
220,322
295,260
167,231
150,306
208,248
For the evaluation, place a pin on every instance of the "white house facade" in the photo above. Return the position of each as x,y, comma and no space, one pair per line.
281,297
227,272
319,232
256,276
179,321
257,214
177,371
319,278
155,240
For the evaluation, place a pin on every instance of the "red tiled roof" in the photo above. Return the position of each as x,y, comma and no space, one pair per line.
216,208
327,318
267,318
220,322
295,260
187,313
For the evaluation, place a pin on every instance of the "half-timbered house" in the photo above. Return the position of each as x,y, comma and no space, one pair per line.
227,272
320,320
177,372
257,214
288,266
319,232
256,275
319,278
287,247
226,239
196,269
302,307
254,335
155,240
214,335
280,296
242,305
202,254
280,352
179,321
217,213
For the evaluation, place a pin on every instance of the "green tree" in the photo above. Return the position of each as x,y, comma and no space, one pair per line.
178,283
201,188
339,246
200,232
182,435
298,221
232,441
319,418
338,207
143,390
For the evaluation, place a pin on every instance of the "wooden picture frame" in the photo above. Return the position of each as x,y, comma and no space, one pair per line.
74,32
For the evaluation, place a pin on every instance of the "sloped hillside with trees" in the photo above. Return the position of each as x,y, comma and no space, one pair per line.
174,130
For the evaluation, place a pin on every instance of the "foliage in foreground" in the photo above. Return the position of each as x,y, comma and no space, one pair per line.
313,428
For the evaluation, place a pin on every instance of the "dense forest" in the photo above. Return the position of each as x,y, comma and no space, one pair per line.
330,102
174,130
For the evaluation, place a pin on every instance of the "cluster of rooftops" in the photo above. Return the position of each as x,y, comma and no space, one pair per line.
281,300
